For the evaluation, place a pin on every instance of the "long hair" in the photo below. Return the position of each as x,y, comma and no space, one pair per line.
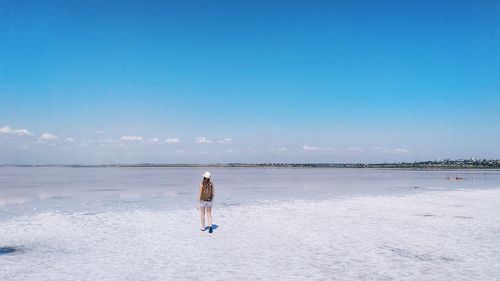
206,190
205,182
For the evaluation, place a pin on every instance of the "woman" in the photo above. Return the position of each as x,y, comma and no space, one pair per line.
206,197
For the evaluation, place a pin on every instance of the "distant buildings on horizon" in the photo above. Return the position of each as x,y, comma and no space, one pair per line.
472,163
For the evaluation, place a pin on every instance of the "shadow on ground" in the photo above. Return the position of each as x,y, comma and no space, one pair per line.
214,227
7,250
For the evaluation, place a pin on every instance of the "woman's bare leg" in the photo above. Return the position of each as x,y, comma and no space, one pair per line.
202,211
209,215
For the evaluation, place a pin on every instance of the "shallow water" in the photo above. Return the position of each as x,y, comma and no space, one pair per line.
272,224
61,189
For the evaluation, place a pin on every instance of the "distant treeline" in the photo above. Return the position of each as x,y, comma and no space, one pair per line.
444,164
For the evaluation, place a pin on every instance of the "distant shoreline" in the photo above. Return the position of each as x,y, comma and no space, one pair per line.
427,165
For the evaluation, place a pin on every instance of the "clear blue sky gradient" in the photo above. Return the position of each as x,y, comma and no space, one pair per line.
367,81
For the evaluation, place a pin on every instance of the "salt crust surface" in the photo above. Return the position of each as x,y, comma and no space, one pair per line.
435,235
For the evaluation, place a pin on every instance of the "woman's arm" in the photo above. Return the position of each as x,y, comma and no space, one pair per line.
199,193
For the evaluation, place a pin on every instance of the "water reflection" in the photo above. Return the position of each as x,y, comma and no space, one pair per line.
88,189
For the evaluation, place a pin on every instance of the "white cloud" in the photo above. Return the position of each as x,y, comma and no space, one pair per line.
355,149
226,141
155,140
316,148
6,130
47,137
202,140
22,132
310,148
396,151
68,139
173,140
132,138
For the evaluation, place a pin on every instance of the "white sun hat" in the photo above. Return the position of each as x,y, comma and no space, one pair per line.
206,175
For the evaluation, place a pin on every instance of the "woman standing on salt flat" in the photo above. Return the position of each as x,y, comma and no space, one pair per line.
206,197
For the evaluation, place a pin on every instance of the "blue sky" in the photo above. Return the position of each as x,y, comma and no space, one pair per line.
266,81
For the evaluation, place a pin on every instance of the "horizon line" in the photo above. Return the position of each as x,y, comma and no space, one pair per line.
250,164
